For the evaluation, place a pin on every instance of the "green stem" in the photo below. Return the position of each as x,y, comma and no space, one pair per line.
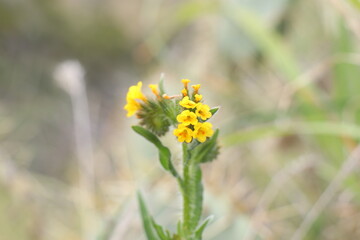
192,195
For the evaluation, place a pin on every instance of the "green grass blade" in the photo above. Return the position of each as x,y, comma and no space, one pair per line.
266,39
272,45
323,128
346,75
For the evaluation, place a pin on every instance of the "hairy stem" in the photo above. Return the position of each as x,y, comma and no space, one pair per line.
192,195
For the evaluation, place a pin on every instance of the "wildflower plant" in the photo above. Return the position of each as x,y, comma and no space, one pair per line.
189,116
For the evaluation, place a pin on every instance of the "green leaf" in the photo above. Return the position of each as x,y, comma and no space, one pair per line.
160,231
147,220
164,152
200,229
163,235
207,151
214,110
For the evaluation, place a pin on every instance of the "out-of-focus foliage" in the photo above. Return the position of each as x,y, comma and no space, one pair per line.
286,75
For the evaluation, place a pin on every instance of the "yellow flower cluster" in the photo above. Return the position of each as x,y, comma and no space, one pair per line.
192,119
134,95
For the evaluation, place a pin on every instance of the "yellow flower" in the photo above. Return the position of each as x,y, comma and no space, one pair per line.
187,117
196,88
134,94
132,107
183,133
184,92
187,103
198,97
185,82
202,131
203,111
154,89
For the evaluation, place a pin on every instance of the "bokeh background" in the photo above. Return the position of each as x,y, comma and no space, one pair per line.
284,72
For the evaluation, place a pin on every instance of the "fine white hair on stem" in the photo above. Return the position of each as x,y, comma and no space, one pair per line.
328,194
274,187
69,75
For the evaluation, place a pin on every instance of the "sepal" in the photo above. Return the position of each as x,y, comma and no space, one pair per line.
152,116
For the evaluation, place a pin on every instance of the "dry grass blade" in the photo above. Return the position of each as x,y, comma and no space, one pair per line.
328,194
70,76
278,181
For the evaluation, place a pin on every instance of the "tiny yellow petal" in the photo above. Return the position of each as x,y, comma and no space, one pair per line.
132,107
184,92
186,118
132,96
202,131
154,89
187,103
203,111
183,133
185,82
198,97
196,87
135,93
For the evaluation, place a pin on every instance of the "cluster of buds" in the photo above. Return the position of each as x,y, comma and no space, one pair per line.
153,113
188,114
192,119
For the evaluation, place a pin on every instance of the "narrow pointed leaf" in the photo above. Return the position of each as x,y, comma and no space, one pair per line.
164,152
206,151
147,220
214,110
200,229
163,234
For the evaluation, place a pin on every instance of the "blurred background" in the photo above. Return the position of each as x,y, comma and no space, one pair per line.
284,72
